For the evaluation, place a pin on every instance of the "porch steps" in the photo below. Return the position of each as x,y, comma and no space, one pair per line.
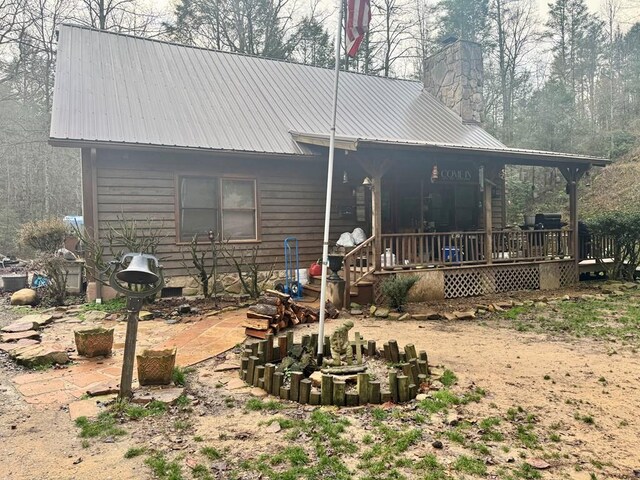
361,293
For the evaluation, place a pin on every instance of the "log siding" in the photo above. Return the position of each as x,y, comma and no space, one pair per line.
290,199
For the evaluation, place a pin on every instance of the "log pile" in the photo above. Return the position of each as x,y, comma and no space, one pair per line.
276,311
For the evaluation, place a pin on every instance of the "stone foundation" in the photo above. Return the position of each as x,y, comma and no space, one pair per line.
229,283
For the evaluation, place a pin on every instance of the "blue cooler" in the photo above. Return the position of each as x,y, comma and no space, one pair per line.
451,254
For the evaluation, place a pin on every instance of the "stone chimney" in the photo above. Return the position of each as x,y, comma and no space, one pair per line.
454,76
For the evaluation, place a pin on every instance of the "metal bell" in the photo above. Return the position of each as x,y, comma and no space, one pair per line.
138,271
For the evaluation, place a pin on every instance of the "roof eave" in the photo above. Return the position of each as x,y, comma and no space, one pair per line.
71,143
514,156
510,155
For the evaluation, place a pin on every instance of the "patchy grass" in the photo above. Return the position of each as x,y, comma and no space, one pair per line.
179,375
588,419
103,426
164,469
132,411
469,465
474,396
257,405
295,456
515,312
448,378
439,401
431,468
110,306
134,452
455,436
211,453
613,318
182,424
324,432
201,472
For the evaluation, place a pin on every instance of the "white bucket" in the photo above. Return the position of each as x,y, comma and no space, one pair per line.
388,258
303,276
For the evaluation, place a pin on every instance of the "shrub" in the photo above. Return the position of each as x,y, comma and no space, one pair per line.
122,236
45,236
623,228
396,289
56,271
245,261
204,264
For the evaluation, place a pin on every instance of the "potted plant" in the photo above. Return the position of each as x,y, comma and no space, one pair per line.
94,342
156,366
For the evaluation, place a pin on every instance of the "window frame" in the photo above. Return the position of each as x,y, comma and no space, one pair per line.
219,179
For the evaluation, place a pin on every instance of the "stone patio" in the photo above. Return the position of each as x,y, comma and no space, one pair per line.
198,340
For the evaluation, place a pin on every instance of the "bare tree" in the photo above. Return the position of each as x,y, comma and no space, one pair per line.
395,31
125,16
424,33
11,19
514,35
254,27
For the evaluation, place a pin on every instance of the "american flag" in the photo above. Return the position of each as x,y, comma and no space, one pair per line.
358,18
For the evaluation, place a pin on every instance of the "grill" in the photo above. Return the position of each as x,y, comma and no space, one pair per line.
549,221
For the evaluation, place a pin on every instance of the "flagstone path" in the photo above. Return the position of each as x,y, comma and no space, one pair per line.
195,342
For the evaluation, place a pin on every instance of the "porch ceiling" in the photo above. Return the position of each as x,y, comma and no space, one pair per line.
513,156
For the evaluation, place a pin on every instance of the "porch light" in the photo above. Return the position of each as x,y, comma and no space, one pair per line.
434,173
345,177
367,182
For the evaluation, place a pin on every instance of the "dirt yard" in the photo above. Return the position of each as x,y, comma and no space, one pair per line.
539,391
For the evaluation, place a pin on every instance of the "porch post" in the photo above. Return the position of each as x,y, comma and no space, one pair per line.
572,175
488,223
376,224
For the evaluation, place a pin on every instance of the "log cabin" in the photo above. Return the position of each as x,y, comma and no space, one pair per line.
196,140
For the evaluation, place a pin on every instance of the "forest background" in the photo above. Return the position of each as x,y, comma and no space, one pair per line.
565,77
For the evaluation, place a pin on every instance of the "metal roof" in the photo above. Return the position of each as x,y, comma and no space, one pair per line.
121,89
118,89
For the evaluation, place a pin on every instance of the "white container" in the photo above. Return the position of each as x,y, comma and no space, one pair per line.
303,276
388,258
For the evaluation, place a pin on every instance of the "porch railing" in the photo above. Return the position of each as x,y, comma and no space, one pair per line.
535,245
594,247
358,263
419,249
410,250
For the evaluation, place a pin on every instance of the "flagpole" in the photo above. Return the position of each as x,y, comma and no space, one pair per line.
327,213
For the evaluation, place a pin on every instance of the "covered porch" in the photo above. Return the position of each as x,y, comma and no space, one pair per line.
439,212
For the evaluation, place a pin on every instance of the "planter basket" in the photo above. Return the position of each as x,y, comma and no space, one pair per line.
94,342
156,366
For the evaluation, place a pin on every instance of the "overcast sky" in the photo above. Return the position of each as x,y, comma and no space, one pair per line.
630,10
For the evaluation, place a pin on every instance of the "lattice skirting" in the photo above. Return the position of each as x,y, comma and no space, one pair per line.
484,280
378,297
567,273
471,282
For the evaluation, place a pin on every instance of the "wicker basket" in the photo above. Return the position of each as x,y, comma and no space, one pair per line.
156,366
94,342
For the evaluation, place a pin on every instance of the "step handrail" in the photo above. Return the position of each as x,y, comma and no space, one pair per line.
353,277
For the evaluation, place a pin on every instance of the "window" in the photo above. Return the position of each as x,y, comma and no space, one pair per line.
222,205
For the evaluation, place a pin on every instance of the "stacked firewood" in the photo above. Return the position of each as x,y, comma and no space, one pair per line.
276,311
